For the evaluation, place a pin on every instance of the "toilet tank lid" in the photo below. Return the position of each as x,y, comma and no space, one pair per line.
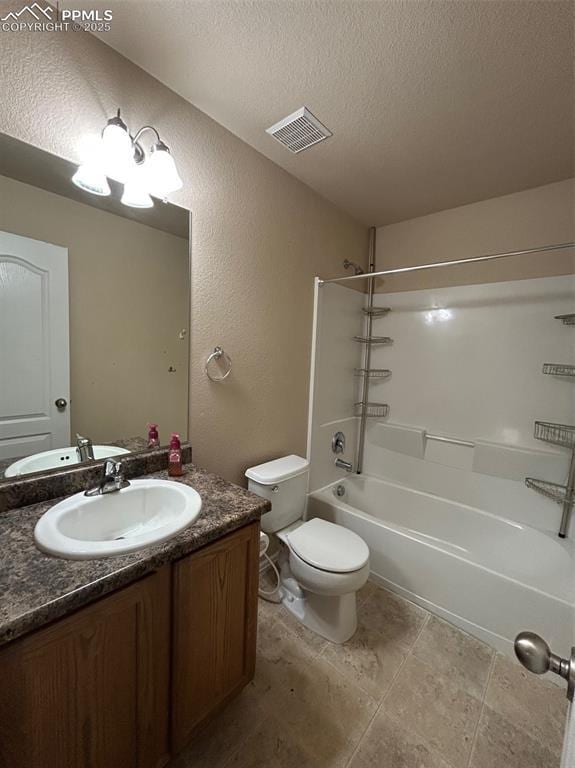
275,471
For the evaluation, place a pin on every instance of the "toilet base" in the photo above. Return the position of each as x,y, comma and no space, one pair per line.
332,617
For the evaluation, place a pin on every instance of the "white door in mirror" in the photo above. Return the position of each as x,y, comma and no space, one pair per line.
34,346
59,457
147,512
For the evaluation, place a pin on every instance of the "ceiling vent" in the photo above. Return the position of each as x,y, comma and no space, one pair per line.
299,131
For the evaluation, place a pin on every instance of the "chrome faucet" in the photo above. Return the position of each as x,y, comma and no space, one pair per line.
85,449
113,480
341,464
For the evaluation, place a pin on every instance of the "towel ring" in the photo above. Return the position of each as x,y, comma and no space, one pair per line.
218,354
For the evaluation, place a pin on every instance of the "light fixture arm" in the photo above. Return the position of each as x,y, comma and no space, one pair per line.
146,128
139,153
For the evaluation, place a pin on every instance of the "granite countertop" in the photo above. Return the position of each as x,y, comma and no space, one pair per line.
36,588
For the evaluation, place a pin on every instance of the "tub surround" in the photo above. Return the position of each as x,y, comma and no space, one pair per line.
451,524
38,487
38,589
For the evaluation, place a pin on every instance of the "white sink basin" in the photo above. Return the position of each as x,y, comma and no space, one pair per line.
59,457
147,512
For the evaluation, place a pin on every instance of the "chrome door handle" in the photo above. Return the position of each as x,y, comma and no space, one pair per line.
61,403
536,656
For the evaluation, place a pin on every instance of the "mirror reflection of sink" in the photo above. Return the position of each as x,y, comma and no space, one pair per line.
147,512
59,457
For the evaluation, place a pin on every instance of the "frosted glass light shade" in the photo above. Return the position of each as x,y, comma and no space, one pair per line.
118,151
161,173
92,179
135,193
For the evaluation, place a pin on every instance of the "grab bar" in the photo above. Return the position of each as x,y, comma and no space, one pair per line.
452,440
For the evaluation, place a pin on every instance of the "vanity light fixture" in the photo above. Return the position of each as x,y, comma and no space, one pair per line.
122,157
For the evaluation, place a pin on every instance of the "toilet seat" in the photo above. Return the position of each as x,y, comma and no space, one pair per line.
328,547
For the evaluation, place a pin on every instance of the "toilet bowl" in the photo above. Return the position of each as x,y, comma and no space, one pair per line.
322,565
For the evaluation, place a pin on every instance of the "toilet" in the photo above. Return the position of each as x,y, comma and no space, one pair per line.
323,565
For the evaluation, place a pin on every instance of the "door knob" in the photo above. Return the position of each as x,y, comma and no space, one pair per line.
61,403
536,656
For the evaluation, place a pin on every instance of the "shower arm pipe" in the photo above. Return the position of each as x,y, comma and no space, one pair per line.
437,264
367,356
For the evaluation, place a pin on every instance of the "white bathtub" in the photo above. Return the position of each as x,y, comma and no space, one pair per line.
490,576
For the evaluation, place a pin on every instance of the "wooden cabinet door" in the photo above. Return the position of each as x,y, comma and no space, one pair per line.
215,596
91,690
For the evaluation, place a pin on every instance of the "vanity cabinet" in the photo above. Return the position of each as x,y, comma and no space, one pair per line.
215,594
127,681
91,690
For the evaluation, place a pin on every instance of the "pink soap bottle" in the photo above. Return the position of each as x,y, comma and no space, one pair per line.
153,436
175,468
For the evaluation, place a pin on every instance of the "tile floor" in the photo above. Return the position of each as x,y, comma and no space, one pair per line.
407,691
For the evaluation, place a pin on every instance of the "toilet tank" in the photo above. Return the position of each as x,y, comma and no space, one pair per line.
284,482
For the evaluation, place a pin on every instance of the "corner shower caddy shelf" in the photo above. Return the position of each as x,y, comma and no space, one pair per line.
365,409
373,373
558,434
376,311
373,339
558,369
566,319
372,410
553,491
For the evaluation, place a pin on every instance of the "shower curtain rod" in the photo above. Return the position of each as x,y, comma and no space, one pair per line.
488,257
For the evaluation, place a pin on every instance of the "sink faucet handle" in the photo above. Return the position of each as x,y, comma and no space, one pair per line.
113,468
112,479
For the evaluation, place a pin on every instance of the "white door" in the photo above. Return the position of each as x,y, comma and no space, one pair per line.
34,346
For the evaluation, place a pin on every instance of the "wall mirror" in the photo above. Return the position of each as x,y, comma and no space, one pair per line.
94,317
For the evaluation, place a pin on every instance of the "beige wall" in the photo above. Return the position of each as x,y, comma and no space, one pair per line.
539,216
129,300
258,237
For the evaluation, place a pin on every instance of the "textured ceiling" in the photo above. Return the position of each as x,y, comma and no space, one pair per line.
432,103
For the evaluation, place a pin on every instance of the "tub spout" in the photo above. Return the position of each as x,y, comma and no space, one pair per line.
341,464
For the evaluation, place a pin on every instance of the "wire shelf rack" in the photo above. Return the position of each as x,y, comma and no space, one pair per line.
376,311
373,339
566,319
372,410
373,373
558,434
553,491
558,369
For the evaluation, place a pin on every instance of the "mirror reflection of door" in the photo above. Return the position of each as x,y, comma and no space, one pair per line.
94,313
34,346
